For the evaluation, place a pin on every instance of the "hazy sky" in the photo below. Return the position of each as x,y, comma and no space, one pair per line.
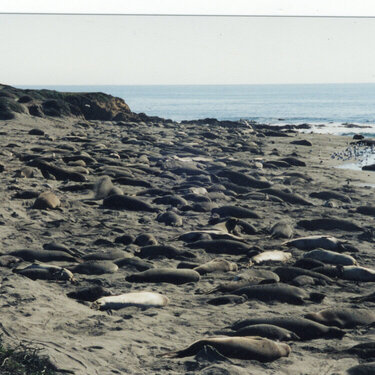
53,50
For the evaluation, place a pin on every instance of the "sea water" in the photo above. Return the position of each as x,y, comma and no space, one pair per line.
325,106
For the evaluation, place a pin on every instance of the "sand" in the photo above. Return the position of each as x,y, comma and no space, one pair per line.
81,340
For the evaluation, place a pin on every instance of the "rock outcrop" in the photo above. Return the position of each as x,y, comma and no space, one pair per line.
50,103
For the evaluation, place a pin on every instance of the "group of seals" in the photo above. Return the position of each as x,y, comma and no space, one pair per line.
211,203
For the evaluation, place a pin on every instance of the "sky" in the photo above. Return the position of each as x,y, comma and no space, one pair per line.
147,50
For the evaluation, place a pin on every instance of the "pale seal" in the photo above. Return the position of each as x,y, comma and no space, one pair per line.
139,299
216,265
47,200
271,256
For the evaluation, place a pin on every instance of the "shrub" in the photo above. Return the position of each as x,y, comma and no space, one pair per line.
24,360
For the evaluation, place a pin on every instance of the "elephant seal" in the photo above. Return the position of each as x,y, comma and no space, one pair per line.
216,265
279,292
125,239
364,350
287,197
248,348
187,264
155,192
43,255
366,210
363,369
241,179
145,239
260,275
60,174
95,267
195,236
9,261
271,256
357,273
130,181
367,298
111,254
235,211
306,329
330,257
287,274
103,187
165,275
133,263
281,229
59,247
170,218
155,251
350,273
315,242
329,224
139,299
308,263
343,317
91,293
220,246
171,200
45,272
26,172
46,200
243,227
123,202
268,331
227,299
25,194
294,161
301,142
327,195
250,277
304,280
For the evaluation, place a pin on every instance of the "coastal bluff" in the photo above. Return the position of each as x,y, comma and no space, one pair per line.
55,104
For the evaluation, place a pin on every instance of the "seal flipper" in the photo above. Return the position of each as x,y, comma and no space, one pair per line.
317,297
193,349
335,332
210,354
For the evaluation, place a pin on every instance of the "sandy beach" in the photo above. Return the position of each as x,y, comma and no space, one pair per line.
176,196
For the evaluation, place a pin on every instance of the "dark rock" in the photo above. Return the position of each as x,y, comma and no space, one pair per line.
36,131
36,110
301,142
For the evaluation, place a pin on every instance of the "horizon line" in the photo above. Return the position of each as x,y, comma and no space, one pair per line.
183,15
189,84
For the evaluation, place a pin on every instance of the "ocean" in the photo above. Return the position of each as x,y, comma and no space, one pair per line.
331,105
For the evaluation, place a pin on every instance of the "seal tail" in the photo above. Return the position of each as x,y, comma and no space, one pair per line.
168,355
317,297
